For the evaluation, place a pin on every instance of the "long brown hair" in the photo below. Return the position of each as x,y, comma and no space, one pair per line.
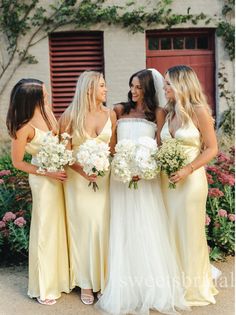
26,95
147,84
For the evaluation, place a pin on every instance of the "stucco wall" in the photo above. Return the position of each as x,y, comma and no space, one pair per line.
124,54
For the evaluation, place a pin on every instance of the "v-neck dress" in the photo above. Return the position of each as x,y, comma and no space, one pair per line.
88,222
48,251
186,209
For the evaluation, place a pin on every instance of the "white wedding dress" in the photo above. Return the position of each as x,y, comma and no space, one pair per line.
142,272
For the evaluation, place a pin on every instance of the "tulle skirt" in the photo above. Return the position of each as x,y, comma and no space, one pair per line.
143,273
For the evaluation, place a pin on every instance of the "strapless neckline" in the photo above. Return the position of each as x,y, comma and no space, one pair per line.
127,119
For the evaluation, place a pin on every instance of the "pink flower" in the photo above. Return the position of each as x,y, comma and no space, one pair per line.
5,172
226,179
215,192
20,221
1,181
231,217
8,216
2,224
208,220
209,178
222,213
223,158
213,169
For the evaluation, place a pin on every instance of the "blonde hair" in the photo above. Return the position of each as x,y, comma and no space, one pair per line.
188,94
83,102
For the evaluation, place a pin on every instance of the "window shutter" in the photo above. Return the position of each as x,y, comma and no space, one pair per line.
71,53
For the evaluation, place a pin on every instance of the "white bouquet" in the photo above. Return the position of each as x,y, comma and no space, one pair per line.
135,159
93,156
121,163
53,155
145,161
171,157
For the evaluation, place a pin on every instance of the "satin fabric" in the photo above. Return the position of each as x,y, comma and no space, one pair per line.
88,223
186,208
48,251
143,274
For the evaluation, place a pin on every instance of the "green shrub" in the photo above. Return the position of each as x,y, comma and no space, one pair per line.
15,212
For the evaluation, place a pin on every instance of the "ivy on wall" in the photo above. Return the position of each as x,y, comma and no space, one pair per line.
226,29
24,23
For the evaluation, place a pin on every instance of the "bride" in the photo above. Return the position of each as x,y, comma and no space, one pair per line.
142,272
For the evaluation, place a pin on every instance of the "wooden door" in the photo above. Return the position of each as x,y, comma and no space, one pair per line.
194,48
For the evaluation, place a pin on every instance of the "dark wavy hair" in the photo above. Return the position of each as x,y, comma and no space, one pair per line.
26,95
147,84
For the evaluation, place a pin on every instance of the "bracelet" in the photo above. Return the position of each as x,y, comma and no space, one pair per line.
192,167
40,171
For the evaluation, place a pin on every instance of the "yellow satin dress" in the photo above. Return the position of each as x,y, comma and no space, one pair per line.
186,208
88,223
48,250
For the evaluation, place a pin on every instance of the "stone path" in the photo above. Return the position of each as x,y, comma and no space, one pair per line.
14,301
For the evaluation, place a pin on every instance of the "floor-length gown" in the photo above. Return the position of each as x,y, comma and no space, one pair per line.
88,223
48,251
142,271
186,208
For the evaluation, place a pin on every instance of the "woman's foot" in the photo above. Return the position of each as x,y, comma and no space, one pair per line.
87,296
47,301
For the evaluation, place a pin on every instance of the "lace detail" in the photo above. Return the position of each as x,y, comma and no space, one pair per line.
136,120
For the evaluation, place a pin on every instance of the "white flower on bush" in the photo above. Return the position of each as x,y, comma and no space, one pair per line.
53,155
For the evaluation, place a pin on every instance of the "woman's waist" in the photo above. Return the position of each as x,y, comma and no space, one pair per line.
191,152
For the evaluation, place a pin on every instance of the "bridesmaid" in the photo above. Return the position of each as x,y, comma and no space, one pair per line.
88,211
29,118
190,121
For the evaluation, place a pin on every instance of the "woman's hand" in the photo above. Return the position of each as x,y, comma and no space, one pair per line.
180,174
60,175
79,169
90,178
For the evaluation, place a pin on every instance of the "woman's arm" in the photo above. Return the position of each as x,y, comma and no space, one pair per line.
160,120
206,128
113,139
18,150
119,110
